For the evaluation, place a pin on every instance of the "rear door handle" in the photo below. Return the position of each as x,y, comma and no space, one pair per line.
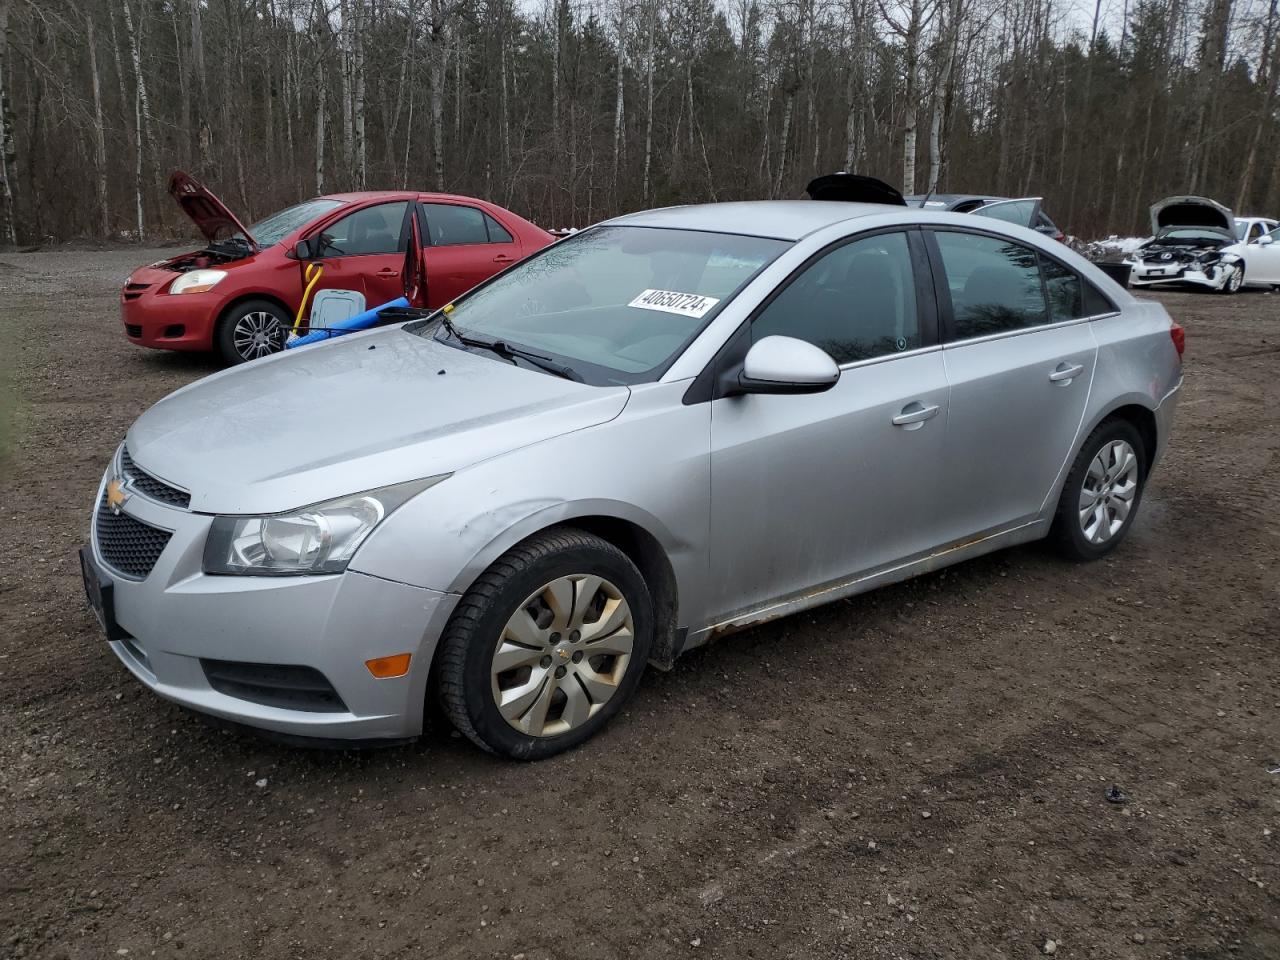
914,414
503,258
388,272
1066,372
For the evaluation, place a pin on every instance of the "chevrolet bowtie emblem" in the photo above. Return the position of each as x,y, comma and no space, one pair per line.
117,495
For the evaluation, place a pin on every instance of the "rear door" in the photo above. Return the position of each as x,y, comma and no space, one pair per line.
1019,356
463,246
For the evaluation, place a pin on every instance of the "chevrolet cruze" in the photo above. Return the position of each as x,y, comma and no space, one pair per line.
664,428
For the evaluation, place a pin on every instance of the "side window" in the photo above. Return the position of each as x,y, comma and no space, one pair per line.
857,302
377,229
497,232
1020,212
1066,300
994,284
1255,231
450,225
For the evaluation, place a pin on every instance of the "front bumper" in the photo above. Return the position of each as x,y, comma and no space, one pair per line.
179,619
1149,275
166,322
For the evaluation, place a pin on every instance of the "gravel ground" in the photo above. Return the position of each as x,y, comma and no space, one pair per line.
917,773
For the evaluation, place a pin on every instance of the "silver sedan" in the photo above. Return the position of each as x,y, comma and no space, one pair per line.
673,425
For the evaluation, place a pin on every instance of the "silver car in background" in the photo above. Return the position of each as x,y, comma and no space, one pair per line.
659,430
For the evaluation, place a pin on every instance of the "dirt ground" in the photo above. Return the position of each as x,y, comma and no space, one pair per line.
918,773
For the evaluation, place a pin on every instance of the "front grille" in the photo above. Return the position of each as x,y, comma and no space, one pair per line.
128,545
274,685
150,486
133,330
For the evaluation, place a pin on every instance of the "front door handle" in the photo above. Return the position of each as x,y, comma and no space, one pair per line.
914,414
1066,372
503,258
388,272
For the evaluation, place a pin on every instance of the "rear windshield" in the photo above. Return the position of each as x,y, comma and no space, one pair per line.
271,230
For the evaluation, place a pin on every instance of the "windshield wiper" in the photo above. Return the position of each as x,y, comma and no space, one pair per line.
508,352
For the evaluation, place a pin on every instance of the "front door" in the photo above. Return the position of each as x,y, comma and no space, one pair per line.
1262,259
364,252
812,490
1020,368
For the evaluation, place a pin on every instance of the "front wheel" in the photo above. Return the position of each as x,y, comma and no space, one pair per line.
1102,492
1235,281
546,646
249,330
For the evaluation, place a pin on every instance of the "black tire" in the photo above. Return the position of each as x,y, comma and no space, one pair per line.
1235,283
1066,535
224,337
475,629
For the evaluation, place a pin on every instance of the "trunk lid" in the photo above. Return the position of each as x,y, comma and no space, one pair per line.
210,215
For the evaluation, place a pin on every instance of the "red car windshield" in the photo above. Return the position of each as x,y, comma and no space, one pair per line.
271,230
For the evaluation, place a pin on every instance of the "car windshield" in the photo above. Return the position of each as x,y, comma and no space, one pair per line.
271,230
616,304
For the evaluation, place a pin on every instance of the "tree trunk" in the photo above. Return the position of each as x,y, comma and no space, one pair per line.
322,92
142,112
649,69
8,154
618,92
357,66
99,129
1267,80
200,92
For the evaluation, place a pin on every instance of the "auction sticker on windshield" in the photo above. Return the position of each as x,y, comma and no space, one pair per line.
671,301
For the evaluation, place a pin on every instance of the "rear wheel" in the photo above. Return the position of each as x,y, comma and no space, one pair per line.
546,646
1102,492
249,330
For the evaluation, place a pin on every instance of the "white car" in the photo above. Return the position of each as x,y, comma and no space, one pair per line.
1198,241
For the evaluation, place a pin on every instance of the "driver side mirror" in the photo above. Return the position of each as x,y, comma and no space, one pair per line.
786,365
302,250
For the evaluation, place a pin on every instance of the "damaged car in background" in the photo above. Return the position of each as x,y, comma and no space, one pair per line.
1195,241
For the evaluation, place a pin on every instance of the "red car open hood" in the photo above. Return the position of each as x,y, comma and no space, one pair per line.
206,211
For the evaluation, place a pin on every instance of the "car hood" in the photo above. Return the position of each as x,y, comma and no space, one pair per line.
210,215
362,412
1192,212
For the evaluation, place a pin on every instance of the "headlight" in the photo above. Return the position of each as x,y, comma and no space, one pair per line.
197,281
316,539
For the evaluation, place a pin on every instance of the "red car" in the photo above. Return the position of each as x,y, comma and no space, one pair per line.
242,293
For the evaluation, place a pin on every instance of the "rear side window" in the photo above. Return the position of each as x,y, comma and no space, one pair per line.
1066,298
452,225
856,302
994,284
497,232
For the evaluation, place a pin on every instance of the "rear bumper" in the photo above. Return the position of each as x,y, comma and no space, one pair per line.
165,322
184,628
1164,420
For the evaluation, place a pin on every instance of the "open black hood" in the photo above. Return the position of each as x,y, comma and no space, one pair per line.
853,188
1191,212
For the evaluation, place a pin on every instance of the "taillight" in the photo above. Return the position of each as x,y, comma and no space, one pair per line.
1179,336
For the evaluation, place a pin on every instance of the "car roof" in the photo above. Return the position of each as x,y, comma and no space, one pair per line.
777,219
362,195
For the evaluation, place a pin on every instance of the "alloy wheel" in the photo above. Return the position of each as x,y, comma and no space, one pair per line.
1108,491
258,334
562,655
